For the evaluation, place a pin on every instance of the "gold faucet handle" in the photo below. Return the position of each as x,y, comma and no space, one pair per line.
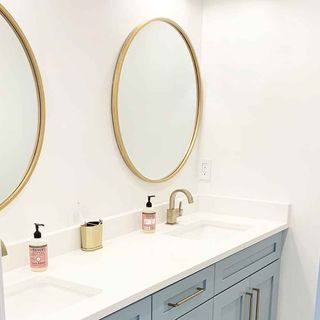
4,251
180,209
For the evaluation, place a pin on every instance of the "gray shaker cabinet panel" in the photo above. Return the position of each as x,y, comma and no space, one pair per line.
203,312
233,303
140,310
264,285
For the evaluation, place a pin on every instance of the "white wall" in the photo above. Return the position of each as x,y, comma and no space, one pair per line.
76,43
261,66
261,76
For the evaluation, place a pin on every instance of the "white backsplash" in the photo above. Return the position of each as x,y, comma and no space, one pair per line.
249,208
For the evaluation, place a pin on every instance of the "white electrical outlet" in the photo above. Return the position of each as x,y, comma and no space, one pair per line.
205,169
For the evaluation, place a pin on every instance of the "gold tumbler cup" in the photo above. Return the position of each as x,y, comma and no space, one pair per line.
91,236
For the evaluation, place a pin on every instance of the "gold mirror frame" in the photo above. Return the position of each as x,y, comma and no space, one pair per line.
115,92
41,105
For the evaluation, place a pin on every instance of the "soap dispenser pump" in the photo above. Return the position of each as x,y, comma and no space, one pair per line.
149,217
38,251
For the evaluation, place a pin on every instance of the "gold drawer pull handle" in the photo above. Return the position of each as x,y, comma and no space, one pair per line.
186,299
251,305
258,303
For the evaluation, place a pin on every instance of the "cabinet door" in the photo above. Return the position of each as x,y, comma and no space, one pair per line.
264,285
203,312
232,304
140,310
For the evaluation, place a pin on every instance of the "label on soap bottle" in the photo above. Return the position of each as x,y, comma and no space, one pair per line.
38,256
148,222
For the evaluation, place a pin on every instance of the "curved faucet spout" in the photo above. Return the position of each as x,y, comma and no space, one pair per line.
173,213
174,194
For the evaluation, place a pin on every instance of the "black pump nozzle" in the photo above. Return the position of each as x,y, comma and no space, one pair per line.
37,234
149,204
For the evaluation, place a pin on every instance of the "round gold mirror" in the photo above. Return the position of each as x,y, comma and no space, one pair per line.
22,109
156,100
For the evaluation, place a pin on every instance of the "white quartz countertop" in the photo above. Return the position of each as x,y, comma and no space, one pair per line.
136,265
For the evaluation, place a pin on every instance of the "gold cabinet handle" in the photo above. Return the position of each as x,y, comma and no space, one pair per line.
251,305
258,303
186,299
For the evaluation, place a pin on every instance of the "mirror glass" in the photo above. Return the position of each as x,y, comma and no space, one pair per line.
19,109
156,103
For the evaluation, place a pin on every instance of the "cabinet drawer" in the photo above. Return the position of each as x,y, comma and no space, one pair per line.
140,310
183,296
244,263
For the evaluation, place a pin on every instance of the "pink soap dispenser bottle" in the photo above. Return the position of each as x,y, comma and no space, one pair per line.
149,217
38,251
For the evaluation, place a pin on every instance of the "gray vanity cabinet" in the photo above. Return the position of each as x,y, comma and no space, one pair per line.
252,298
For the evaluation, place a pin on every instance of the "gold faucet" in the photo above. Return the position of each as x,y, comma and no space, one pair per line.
4,251
173,213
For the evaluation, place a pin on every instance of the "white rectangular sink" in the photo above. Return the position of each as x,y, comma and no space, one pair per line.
213,230
45,295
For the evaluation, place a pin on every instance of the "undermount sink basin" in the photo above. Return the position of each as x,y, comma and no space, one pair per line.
44,294
213,230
